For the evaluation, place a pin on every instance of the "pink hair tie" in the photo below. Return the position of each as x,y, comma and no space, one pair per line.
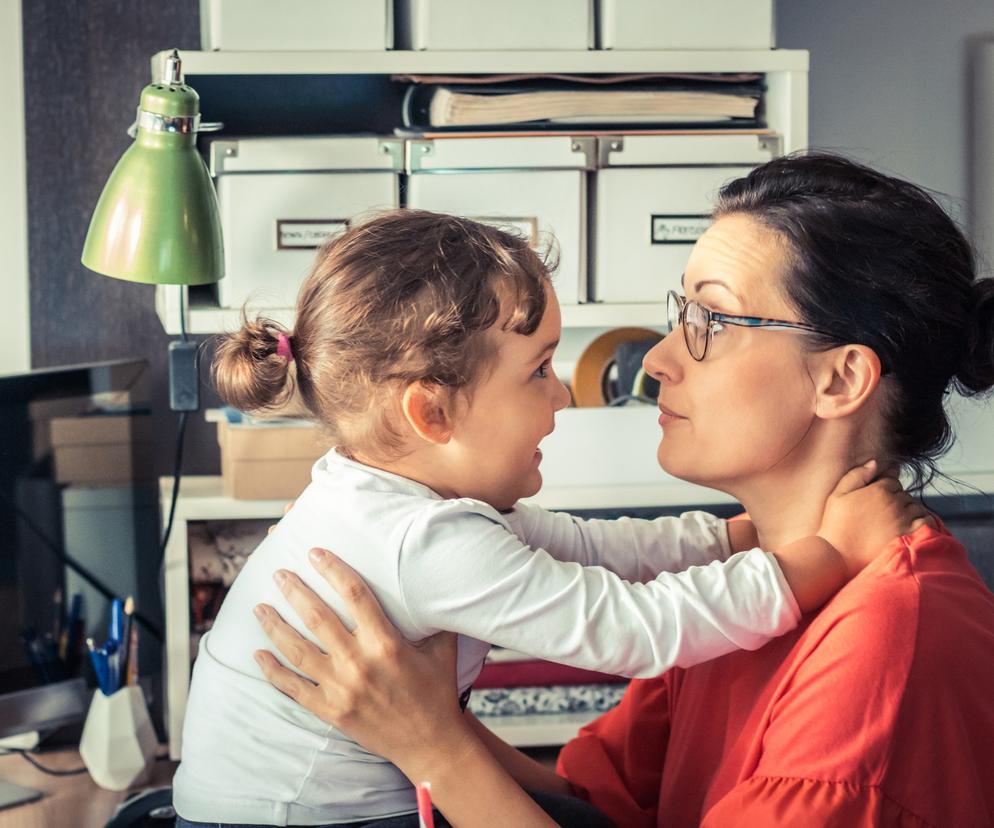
283,347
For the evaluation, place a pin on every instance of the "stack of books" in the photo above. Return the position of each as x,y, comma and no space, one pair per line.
515,684
565,102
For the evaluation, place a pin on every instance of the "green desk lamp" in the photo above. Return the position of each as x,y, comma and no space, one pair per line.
157,220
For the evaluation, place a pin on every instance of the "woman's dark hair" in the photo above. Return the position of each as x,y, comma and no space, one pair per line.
875,260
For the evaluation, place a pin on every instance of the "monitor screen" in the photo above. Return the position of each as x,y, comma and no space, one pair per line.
70,457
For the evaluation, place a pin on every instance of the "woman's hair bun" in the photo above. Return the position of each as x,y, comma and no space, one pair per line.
248,372
976,375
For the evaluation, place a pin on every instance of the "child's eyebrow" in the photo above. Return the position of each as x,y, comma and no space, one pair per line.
551,346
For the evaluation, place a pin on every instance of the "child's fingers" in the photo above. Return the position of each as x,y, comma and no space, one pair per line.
856,478
358,597
316,615
300,652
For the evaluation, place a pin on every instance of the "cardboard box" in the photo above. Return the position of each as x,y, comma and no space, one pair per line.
267,461
103,449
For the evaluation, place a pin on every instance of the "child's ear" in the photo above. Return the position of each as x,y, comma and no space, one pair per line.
426,411
845,379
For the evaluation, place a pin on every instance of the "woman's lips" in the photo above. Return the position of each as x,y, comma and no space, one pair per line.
667,417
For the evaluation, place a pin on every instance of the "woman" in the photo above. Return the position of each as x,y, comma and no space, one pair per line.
828,311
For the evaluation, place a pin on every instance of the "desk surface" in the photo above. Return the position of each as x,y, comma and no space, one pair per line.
67,801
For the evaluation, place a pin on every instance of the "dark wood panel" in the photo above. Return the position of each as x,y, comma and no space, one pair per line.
85,63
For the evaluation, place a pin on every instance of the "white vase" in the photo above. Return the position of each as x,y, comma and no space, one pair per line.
118,742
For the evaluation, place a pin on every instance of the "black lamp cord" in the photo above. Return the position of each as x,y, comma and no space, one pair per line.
27,757
184,416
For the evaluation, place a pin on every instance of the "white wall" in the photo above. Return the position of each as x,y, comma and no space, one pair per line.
15,345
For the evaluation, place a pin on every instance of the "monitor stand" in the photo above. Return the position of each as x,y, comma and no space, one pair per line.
15,795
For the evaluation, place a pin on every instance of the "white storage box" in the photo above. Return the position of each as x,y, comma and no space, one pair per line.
536,186
651,208
296,25
681,24
463,25
280,198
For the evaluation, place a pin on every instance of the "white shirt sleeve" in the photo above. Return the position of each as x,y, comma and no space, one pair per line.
637,550
462,570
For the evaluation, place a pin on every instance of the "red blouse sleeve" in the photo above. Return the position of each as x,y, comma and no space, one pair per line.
771,801
616,762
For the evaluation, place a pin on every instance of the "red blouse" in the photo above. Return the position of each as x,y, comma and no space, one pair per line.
879,710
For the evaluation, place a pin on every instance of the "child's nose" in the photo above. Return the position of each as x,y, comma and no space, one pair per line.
561,397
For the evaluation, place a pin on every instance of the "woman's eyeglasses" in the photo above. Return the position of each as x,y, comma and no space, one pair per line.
699,323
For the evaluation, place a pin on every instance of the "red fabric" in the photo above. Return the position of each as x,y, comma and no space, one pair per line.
878,710
539,673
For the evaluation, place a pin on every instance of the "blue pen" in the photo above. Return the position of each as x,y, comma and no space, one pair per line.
116,620
99,665
112,653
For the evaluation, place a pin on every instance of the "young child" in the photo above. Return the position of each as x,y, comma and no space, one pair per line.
424,342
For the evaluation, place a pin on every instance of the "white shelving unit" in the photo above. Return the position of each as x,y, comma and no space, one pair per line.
786,113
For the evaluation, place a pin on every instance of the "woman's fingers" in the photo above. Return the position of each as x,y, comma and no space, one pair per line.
315,614
358,597
295,648
286,681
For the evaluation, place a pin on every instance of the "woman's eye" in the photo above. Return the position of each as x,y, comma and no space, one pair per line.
543,370
716,329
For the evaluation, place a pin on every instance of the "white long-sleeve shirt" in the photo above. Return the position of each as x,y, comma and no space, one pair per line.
628,597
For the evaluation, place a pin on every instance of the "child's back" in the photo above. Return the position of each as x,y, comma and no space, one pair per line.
249,753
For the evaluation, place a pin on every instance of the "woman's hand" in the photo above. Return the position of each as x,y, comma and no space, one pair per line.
862,515
393,696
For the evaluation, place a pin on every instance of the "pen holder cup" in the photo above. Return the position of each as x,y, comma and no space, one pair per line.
118,742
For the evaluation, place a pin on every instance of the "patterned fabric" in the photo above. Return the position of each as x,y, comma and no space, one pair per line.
515,701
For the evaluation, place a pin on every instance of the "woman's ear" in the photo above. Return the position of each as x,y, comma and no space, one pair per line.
425,408
845,378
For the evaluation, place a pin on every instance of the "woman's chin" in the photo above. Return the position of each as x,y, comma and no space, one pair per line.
682,468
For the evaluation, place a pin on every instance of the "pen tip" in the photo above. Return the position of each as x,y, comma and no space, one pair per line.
129,605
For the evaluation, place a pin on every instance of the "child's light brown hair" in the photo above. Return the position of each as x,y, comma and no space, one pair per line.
404,297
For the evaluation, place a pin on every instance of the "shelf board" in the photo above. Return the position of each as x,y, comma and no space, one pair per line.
484,62
204,319
538,730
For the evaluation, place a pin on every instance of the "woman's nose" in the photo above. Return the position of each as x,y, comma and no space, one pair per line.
662,363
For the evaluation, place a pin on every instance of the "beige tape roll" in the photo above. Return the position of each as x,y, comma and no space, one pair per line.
590,377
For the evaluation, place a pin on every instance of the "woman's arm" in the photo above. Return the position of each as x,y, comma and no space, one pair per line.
394,697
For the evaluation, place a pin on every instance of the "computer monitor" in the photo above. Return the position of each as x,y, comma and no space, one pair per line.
44,617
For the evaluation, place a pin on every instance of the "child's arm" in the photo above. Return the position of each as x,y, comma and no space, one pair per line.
462,572
636,549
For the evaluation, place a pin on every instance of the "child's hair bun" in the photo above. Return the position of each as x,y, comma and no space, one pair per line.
249,373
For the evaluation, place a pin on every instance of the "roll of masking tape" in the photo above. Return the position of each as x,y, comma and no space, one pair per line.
592,385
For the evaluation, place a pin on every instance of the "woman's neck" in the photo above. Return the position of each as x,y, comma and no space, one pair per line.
786,503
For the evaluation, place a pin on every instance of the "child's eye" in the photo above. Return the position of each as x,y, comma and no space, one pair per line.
543,370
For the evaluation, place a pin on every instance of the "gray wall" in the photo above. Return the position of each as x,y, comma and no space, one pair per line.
890,83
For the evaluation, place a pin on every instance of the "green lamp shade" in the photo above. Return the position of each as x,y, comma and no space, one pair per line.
157,219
